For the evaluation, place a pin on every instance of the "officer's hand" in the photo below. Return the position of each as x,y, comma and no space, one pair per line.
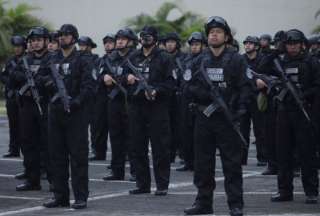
153,95
107,80
132,79
261,84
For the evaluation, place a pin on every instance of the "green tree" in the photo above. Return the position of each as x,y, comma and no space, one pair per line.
184,25
15,21
317,28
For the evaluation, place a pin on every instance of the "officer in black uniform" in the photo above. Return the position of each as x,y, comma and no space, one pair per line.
68,119
196,42
265,66
33,110
293,129
173,45
118,110
265,43
100,125
253,57
223,69
19,45
149,113
86,45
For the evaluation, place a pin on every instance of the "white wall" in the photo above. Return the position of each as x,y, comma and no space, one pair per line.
95,18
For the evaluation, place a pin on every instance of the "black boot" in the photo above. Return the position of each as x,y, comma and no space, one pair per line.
20,176
27,186
198,210
236,212
79,204
139,191
55,203
282,197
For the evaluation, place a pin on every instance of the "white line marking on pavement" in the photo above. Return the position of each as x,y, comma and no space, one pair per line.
19,197
91,179
223,193
107,196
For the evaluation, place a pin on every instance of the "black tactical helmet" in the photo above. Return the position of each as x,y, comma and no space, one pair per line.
235,45
313,39
18,40
196,36
54,36
87,41
109,37
218,22
172,36
279,36
38,31
127,33
266,37
149,30
295,35
69,29
252,39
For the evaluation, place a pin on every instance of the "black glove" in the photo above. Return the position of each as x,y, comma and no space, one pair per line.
74,105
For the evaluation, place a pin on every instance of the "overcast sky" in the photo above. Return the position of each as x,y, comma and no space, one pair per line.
95,18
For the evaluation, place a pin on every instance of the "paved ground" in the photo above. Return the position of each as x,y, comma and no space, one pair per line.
111,198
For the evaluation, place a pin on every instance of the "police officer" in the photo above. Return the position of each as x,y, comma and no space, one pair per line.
252,56
53,44
196,42
33,110
265,66
223,69
149,113
68,122
100,126
173,45
303,72
265,43
19,45
118,110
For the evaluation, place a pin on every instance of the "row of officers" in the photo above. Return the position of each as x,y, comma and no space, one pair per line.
188,105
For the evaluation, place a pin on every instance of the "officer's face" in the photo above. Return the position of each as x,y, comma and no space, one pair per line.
217,37
83,47
171,46
121,42
108,46
18,50
249,47
65,39
195,47
293,48
264,43
53,46
37,44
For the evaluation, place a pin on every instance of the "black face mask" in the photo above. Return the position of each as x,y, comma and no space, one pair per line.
147,41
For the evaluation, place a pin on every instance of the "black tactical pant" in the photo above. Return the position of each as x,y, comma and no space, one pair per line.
34,139
258,123
270,135
68,143
175,124
212,133
293,131
100,126
187,130
150,121
14,125
119,136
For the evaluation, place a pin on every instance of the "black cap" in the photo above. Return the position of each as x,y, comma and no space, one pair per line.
54,36
38,31
85,40
69,29
172,36
279,36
